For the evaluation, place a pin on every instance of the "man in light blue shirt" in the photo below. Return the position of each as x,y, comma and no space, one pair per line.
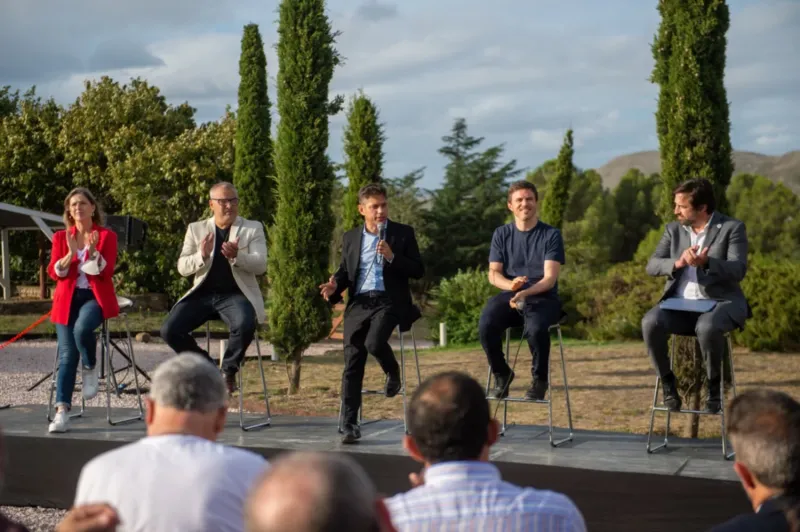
451,433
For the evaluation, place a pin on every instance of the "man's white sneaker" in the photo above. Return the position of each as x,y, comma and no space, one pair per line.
89,382
60,422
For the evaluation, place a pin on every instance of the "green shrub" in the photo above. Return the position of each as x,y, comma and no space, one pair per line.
772,287
458,303
614,303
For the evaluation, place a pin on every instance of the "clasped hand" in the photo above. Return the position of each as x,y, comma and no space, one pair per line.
691,257
516,284
230,250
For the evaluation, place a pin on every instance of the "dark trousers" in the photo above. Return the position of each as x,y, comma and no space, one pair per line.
538,314
709,328
368,325
193,311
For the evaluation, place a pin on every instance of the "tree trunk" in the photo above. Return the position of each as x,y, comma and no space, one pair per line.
42,265
294,379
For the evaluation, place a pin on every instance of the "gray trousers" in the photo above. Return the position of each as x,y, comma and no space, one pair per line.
709,328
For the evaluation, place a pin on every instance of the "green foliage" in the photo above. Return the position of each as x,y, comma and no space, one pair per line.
253,175
648,245
593,239
692,117
110,121
636,211
558,188
615,302
459,302
772,287
473,197
584,187
166,184
407,202
771,212
300,237
9,101
363,151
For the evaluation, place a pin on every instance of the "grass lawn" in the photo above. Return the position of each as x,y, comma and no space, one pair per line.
138,322
611,386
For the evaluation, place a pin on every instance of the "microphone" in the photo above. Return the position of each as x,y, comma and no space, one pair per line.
381,236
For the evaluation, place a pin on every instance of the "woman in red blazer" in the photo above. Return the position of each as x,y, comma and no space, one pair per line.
82,264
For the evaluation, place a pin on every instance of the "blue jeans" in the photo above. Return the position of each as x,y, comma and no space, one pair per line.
76,340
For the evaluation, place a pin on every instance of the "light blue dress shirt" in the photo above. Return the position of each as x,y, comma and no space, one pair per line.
370,270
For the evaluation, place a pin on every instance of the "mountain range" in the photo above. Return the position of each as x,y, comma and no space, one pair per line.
780,168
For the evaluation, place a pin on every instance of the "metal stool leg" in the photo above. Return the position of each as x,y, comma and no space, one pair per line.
656,408
110,377
403,380
53,391
725,453
268,420
566,392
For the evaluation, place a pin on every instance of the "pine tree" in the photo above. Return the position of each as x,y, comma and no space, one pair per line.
557,201
693,127
253,175
363,150
301,235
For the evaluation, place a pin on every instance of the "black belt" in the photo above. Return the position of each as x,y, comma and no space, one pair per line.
372,294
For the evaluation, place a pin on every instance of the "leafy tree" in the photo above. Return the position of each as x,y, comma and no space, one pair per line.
166,184
363,150
771,212
9,101
584,188
558,189
254,172
99,128
693,126
636,212
473,197
592,240
305,177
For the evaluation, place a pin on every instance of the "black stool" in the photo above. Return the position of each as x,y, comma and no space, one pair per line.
655,408
549,400
266,422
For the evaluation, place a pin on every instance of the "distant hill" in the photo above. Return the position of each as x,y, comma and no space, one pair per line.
781,168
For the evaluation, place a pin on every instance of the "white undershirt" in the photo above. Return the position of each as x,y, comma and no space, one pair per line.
92,267
688,288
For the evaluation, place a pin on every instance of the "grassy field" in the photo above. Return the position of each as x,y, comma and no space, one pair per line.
139,321
611,386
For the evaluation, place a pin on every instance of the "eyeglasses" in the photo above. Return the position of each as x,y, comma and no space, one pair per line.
225,201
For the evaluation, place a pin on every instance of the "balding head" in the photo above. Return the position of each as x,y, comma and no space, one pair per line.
449,420
314,492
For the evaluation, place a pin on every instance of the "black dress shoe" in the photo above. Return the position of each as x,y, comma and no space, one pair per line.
672,399
502,386
713,400
537,390
351,434
393,384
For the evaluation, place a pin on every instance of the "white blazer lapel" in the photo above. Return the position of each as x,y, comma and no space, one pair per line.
235,229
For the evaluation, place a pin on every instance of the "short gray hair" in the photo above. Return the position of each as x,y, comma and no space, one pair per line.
189,382
764,428
223,184
344,501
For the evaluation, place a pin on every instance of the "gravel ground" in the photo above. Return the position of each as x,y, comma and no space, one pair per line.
35,518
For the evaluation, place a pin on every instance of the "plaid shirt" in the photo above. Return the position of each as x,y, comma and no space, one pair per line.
470,496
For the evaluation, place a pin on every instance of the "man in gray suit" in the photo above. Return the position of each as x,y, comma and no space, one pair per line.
704,257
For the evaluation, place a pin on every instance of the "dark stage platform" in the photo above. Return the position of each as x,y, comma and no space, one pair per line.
615,483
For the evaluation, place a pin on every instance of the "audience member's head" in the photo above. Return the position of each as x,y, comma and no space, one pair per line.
187,396
449,420
315,492
764,428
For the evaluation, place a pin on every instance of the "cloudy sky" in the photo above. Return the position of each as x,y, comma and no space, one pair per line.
520,71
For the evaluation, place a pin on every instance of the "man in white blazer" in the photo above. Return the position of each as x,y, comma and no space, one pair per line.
224,253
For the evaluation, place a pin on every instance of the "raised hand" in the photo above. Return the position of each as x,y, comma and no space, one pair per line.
72,243
89,518
687,258
385,250
230,249
94,238
206,245
326,290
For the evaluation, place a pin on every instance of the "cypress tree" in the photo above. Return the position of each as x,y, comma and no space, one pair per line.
253,172
693,128
557,200
363,151
300,237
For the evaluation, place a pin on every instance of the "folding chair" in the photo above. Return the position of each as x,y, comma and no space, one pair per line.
107,371
655,408
265,422
403,390
549,400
